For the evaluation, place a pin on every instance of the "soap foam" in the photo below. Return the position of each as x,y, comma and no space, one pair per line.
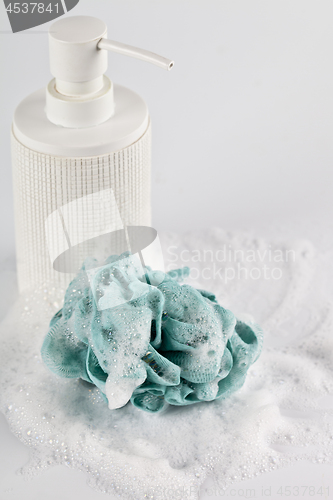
275,419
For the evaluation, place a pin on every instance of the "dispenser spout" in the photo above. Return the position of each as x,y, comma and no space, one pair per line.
129,50
80,94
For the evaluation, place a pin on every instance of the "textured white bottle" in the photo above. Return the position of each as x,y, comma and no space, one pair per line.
45,181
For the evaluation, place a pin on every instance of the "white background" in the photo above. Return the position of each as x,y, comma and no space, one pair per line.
242,128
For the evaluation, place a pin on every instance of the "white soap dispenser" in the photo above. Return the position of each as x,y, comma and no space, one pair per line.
83,135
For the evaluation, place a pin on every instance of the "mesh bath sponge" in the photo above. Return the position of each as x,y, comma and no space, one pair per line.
141,336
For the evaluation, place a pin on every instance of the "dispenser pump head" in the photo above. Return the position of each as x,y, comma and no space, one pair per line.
80,94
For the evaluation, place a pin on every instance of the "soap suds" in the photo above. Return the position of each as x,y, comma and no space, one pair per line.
282,414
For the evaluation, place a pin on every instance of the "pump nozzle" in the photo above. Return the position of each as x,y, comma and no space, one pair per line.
129,50
80,94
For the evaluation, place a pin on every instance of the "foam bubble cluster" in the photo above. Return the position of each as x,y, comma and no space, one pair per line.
282,414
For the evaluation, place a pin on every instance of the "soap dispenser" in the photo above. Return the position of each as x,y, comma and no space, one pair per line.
81,137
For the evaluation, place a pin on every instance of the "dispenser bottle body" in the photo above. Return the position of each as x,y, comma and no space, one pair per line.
81,151
49,175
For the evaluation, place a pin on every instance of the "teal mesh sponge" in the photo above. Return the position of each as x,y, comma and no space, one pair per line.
141,336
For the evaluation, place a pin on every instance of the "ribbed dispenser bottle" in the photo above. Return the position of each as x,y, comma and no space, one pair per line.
81,139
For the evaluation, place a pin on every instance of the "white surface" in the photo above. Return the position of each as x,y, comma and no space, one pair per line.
242,125
62,482
65,484
54,484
